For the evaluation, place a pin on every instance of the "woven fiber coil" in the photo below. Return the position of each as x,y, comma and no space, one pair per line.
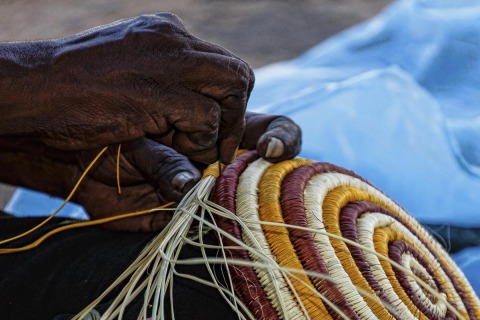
329,245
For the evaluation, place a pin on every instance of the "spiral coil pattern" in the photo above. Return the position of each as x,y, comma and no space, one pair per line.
348,250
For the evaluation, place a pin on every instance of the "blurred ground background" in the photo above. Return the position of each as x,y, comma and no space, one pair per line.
259,31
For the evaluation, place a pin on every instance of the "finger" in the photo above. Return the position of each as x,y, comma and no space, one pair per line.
169,172
183,143
256,126
194,122
207,47
230,82
216,75
276,138
201,124
232,127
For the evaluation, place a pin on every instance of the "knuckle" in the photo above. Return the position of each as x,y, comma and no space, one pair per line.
163,24
204,139
243,71
173,18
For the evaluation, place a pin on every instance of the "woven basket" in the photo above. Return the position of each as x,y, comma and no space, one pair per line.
343,248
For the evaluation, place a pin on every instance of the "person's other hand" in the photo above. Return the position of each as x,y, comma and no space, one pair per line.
140,77
151,173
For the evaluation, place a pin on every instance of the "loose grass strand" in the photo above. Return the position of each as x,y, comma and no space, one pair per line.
118,168
69,197
160,257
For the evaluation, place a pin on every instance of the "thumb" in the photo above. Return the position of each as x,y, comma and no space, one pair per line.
276,138
169,172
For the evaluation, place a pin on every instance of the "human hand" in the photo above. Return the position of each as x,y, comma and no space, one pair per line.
140,77
151,173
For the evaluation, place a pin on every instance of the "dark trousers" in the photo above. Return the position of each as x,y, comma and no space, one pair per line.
72,268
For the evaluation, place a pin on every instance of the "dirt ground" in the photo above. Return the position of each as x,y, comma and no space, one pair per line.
259,31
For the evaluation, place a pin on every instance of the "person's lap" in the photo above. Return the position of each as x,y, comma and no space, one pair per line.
72,268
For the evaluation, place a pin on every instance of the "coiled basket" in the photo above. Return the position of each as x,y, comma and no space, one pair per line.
339,247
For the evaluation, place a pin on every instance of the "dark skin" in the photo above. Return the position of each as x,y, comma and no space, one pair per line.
174,102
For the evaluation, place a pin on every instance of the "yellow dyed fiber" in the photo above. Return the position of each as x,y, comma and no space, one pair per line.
216,168
340,196
269,192
382,237
278,238
332,204
212,170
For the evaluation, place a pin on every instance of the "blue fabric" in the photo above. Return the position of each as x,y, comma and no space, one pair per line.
29,203
395,99
469,261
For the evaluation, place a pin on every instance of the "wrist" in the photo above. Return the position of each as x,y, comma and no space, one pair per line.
24,71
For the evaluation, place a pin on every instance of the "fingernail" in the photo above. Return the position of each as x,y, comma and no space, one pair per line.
274,148
181,180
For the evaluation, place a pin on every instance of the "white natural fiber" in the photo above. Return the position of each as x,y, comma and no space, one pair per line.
159,258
